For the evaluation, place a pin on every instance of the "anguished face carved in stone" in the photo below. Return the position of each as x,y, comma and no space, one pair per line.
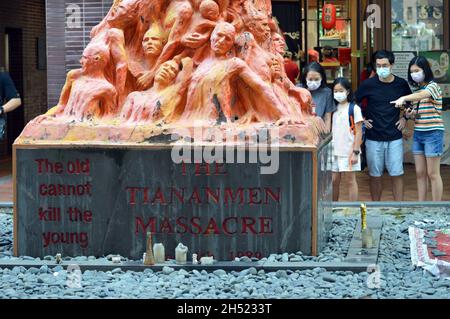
153,41
167,73
258,25
222,38
95,57
278,43
123,12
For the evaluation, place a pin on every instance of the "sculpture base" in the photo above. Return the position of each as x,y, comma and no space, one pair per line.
103,199
61,131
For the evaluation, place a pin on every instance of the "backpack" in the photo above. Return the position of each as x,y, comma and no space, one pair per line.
351,120
351,117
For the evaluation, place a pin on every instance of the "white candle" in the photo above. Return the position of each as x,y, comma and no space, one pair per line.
159,253
116,259
207,260
181,254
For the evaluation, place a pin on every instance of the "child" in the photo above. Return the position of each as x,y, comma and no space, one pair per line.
347,135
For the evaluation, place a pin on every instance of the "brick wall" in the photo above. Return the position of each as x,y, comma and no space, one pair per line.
29,16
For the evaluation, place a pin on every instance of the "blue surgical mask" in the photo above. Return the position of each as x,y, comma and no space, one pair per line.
340,96
313,85
384,72
418,77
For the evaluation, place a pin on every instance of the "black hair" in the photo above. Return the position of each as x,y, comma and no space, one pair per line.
384,54
422,63
314,67
345,83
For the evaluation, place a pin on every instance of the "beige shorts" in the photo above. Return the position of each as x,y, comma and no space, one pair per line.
342,164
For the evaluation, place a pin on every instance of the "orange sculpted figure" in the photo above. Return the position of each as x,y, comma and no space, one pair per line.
291,108
158,66
257,23
234,14
123,30
118,25
302,96
87,93
152,45
162,101
175,23
203,22
211,89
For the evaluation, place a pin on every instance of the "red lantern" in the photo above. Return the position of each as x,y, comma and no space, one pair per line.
329,16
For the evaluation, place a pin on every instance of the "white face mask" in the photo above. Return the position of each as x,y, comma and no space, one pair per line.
383,72
418,77
340,96
313,85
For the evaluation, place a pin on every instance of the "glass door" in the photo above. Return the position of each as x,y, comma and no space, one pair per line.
331,48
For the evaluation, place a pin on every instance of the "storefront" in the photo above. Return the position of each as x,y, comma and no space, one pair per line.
334,47
407,27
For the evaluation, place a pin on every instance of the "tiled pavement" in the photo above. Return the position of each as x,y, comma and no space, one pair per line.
6,185
409,181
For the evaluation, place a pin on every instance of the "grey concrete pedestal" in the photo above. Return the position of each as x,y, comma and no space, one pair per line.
102,199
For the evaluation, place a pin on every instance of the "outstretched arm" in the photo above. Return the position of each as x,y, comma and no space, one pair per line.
415,97
67,89
118,53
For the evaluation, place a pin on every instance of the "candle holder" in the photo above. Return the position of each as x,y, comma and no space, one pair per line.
194,259
149,259
207,260
116,259
159,252
181,254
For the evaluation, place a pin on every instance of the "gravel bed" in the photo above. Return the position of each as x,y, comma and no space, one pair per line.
397,277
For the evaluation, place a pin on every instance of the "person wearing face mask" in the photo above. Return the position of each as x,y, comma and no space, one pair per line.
314,79
347,137
384,125
428,142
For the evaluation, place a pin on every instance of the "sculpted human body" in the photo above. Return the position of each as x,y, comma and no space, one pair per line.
162,100
154,65
175,22
87,94
302,96
212,88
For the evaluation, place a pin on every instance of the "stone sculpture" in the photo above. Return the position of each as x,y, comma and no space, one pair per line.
153,66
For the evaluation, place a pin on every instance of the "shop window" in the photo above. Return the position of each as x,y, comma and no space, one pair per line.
417,25
333,46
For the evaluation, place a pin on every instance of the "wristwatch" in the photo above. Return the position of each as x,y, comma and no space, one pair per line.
2,110
356,152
